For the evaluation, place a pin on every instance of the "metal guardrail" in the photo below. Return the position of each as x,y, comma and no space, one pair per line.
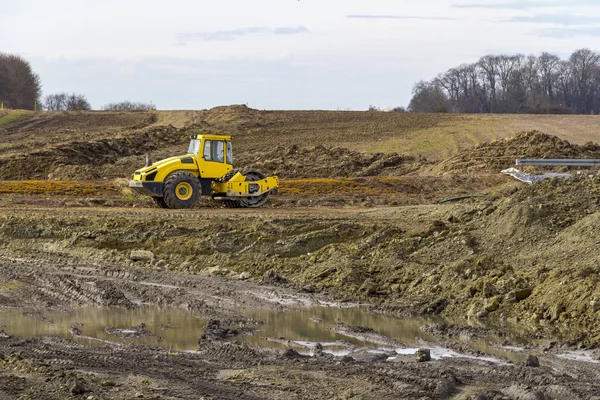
558,162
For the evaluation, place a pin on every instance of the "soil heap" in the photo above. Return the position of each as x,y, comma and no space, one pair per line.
328,162
492,157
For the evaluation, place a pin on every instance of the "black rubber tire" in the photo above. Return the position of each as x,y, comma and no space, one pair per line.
160,202
172,200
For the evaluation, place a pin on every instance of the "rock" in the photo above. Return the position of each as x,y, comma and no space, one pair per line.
141,255
476,311
396,288
423,355
317,349
4,335
244,276
492,304
445,388
74,330
368,287
271,276
216,271
532,361
489,290
77,388
555,311
291,353
138,395
107,383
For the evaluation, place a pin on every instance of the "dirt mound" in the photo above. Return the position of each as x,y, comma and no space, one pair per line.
498,155
548,206
231,115
326,162
83,159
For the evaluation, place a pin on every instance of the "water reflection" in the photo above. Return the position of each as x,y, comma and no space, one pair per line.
178,329
172,328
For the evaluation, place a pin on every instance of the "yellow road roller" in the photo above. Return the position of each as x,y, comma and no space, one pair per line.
206,170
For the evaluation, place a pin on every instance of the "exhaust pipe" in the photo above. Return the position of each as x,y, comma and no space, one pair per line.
148,159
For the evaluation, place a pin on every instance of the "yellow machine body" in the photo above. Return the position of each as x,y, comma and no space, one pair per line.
207,169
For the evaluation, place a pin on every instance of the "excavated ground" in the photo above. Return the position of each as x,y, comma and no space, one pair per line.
495,156
427,260
517,265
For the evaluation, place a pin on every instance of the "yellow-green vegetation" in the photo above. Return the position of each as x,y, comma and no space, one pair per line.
13,116
315,187
69,188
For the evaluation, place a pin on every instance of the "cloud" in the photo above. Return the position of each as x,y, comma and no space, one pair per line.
557,19
528,5
368,16
569,32
241,32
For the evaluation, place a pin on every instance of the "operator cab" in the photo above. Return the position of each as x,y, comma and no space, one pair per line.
214,154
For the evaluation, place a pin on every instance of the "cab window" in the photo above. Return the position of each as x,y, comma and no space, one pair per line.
218,151
206,153
229,154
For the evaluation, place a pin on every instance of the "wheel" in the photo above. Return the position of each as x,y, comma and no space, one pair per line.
181,190
253,201
160,202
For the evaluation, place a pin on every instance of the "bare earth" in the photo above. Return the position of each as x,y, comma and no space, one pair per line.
516,267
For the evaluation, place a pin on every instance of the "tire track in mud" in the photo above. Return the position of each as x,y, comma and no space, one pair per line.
188,374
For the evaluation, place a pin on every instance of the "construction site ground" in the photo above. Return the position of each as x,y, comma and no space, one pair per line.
486,281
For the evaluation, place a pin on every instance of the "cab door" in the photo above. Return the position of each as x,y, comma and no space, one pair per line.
214,163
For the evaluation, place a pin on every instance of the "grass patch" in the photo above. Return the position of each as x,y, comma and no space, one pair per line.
14,116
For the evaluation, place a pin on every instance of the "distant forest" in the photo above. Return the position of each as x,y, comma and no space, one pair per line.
543,84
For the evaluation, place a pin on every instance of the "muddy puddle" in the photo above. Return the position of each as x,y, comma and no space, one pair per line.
340,331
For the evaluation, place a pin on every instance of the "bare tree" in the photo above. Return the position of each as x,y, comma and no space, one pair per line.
129,106
66,102
516,83
56,102
78,102
548,70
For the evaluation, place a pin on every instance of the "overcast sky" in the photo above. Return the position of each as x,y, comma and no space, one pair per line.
277,54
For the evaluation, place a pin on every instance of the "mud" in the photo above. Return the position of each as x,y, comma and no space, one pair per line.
57,259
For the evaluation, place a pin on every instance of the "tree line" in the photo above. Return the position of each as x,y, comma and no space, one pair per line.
515,84
21,88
